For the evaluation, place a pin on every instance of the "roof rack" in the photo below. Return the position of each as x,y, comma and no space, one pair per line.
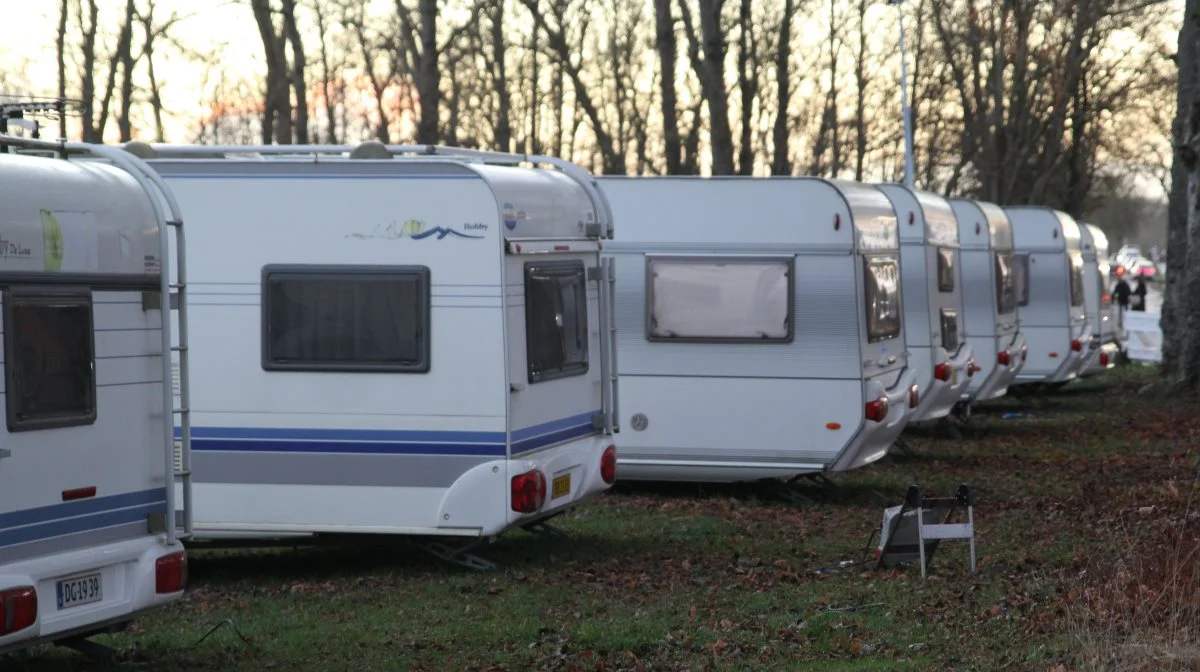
15,110
373,149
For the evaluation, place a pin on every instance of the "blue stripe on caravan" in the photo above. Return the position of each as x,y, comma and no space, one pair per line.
360,447
95,521
386,441
81,507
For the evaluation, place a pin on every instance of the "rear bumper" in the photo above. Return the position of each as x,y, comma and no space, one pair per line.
996,383
874,438
1092,365
942,395
127,572
579,461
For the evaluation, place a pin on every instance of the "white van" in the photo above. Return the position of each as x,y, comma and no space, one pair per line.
933,301
990,286
761,327
86,469
1047,251
1102,313
394,340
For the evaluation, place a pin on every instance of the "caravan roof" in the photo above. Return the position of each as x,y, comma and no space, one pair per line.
858,217
982,225
1040,228
922,216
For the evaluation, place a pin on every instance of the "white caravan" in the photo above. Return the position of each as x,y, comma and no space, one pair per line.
1046,250
761,327
933,301
86,467
990,284
394,340
1102,313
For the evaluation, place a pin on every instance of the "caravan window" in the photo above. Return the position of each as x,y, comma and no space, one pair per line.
49,361
346,318
556,328
945,269
1021,278
1006,295
883,298
949,329
727,299
1076,282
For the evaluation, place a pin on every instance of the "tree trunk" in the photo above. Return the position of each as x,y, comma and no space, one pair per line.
860,100
299,86
60,45
428,77
326,94
125,56
710,70
277,113
747,86
781,164
87,85
1181,362
503,133
664,42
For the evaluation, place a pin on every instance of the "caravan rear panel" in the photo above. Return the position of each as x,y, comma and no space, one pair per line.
1101,310
84,470
990,287
744,331
395,345
1052,303
934,322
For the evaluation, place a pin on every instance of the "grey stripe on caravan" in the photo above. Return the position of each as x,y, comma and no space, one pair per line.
73,542
720,455
174,168
389,471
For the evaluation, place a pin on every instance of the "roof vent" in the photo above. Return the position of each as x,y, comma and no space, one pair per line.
139,149
371,149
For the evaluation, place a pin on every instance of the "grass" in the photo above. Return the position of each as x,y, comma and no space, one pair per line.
1085,535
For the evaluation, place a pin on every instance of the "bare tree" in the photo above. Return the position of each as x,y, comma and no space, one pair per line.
277,106
60,44
861,81
611,161
828,137
292,34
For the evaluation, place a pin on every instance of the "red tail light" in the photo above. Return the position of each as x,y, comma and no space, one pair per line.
942,371
608,465
1076,345
170,573
528,491
1106,298
914,396
1103,359
877,410
18,609
1003,358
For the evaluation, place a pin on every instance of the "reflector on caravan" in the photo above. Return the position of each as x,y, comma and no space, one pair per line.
86,542
1052,303
991,285
930,266
761,326
395,340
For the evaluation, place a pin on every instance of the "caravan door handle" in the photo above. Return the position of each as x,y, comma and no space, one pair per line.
4,452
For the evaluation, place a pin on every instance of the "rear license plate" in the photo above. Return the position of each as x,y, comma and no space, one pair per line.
562,486
79,590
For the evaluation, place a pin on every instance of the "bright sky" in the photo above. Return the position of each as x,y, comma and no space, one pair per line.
211,26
